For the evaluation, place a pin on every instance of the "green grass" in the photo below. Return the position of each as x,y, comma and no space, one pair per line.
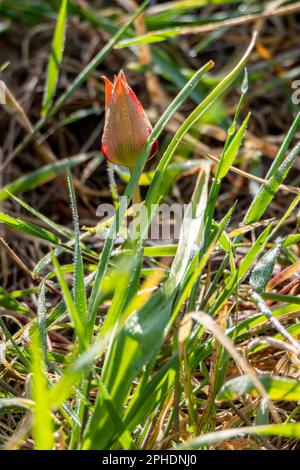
133,345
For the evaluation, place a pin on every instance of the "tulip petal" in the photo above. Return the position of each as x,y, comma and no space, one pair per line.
108,90
126,127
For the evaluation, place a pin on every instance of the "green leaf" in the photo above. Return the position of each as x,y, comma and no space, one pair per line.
262,416
147,397
257,320
42,418
284,430
278,388
128,270
16,403
9,302
206,103
143,333
75,315
135,344
39,177
292,239
29,228
123,434
55,57
192,231
269,189
78,279
242,270
285,145
58,228
231,152
291,299
262,272
80,301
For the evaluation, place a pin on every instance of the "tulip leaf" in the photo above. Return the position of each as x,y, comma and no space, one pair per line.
79,293
292,239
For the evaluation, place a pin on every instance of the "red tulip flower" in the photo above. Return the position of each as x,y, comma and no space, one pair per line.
126,126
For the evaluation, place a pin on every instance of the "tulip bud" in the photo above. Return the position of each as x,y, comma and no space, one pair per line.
126,126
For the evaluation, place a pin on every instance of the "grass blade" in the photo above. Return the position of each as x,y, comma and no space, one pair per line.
42,421
75,314
29,228
78,280
278,388
268,190
55,57
39,177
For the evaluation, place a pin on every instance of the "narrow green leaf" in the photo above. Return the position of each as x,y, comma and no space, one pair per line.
78,279
75,315
143,333
58,228
29,228
40,176
242,270
16,403
42,418
123,434
291,299
154,190
230,153
269,189
54,64
285,145
254,321
9,302
192,231
278,388
284,430
262,272
42,321
292,239
262,417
